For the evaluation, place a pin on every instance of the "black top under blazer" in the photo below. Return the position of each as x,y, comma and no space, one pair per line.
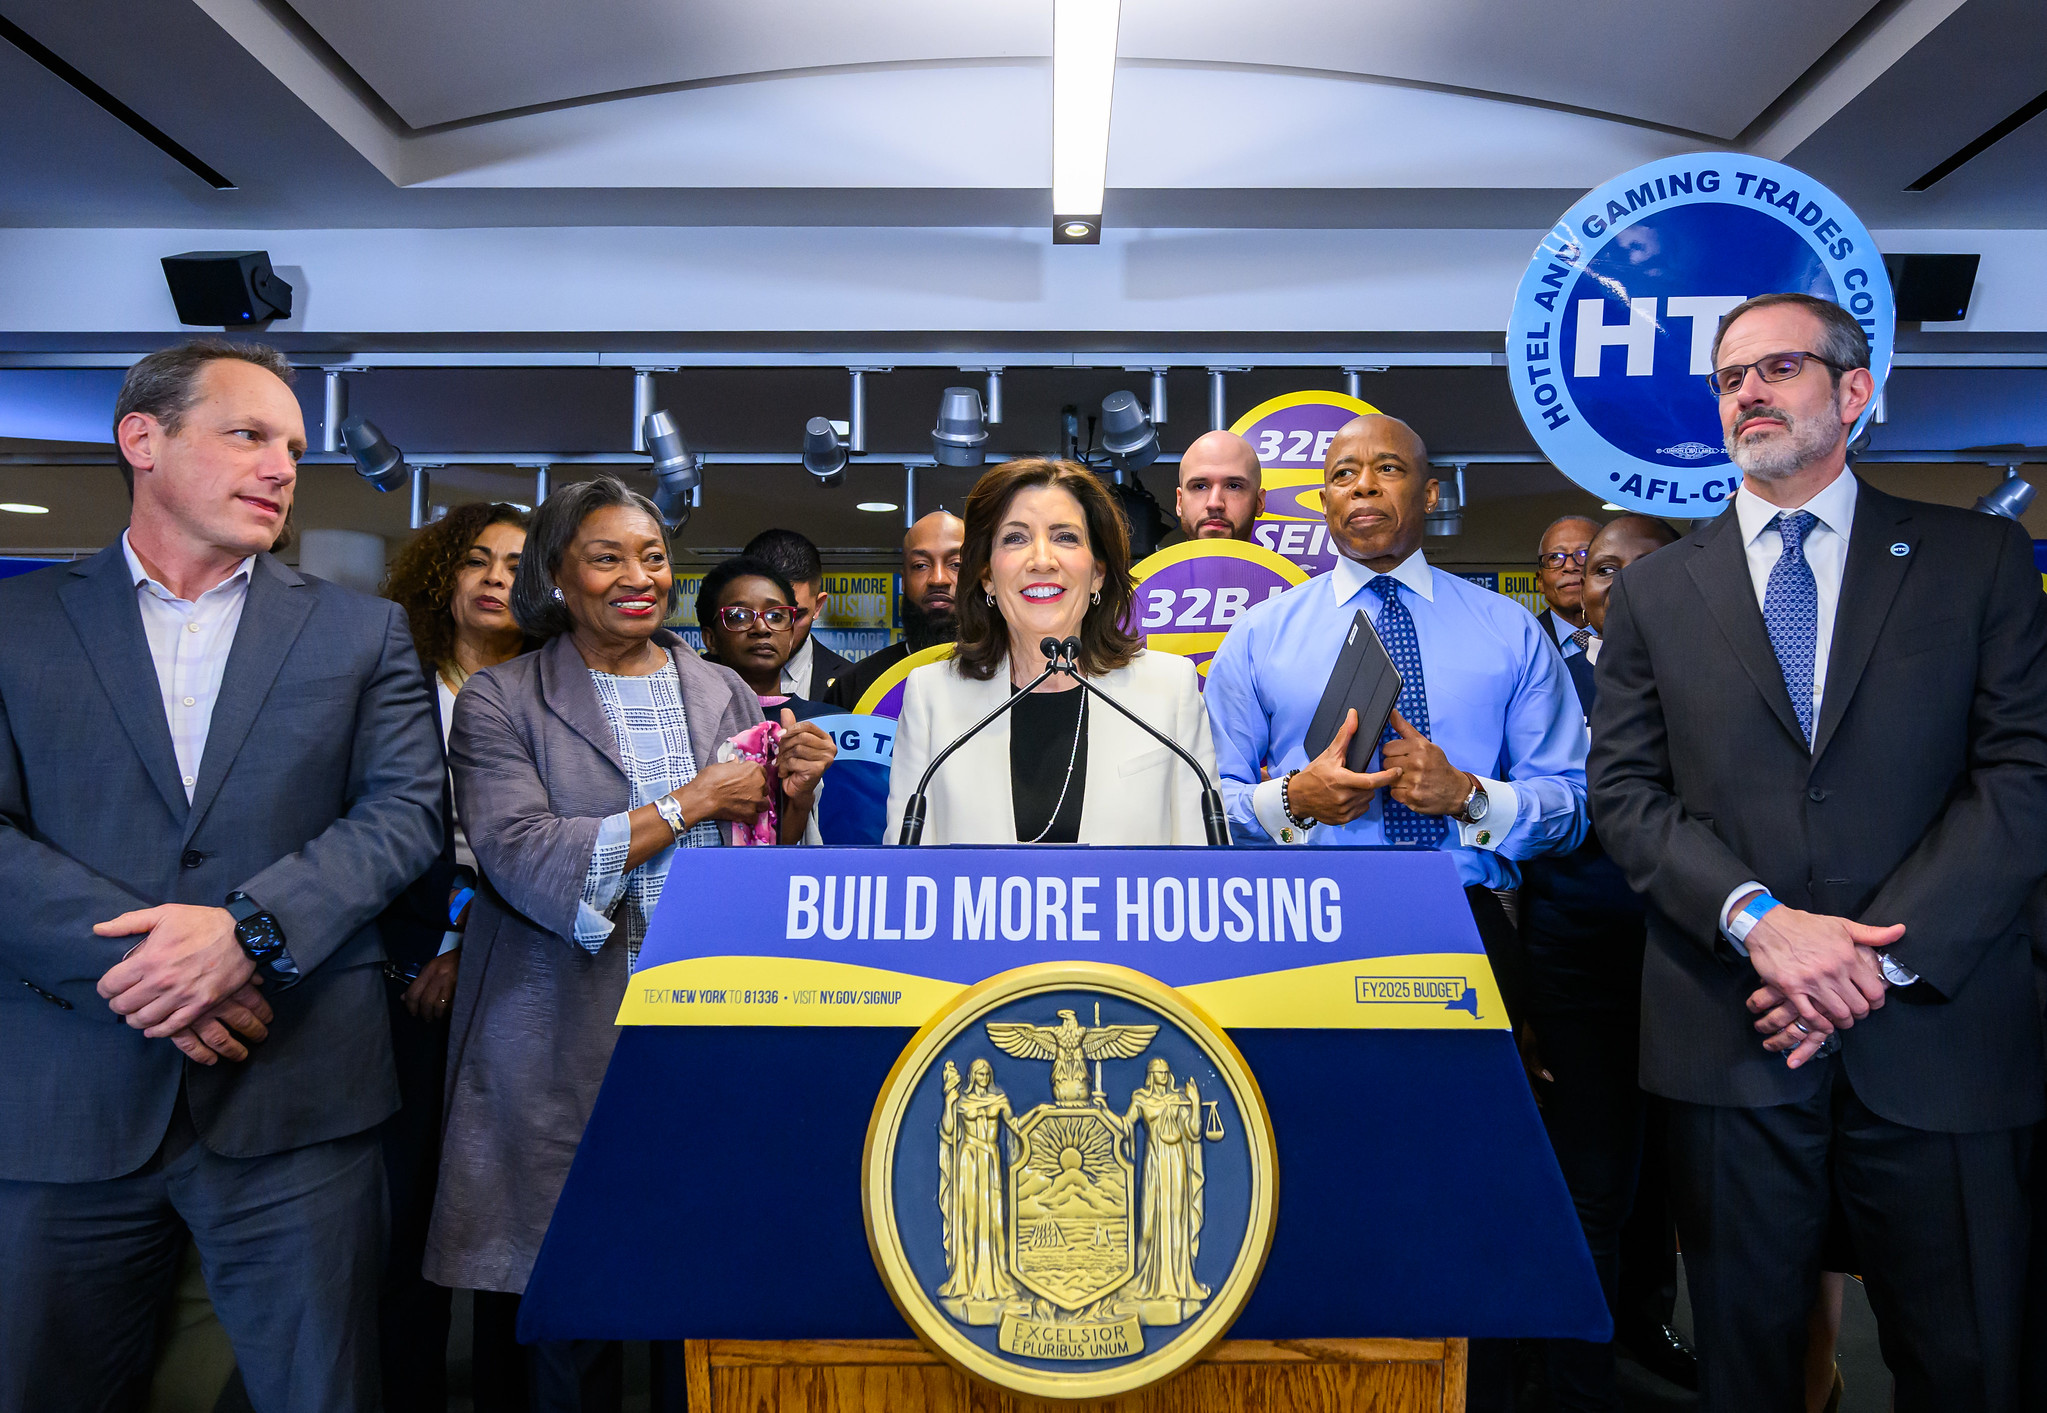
1923,801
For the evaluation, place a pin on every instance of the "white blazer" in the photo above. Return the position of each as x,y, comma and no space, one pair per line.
1138,791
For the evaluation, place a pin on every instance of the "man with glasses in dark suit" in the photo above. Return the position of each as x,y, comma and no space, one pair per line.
1560,574
1820,752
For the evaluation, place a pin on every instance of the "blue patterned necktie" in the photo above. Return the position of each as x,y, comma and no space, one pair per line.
1791,613
1396,630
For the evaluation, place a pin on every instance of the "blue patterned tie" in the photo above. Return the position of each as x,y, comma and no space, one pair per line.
1396,631
1791,612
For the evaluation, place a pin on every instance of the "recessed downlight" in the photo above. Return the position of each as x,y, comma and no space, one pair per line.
15,507
879,507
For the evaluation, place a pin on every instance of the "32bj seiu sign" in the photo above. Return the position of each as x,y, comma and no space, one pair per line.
888,936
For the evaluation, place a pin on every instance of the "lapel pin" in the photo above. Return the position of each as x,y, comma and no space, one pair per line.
1901,549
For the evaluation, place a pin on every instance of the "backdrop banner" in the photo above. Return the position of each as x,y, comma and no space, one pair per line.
1611,335
1190,594
1291,434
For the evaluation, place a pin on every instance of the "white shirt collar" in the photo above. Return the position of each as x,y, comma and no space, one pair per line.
1349,576
796,671
141,577
1834,507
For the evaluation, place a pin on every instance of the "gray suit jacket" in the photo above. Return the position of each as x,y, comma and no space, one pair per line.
319,795
536,772
1922,801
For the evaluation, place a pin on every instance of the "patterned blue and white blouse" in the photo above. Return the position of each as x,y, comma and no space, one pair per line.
652,729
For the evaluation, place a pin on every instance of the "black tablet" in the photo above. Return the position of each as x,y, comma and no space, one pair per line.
1364,678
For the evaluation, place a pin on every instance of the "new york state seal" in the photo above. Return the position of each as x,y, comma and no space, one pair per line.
1070,1181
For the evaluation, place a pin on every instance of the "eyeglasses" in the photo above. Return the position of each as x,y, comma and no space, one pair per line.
1775,368
1557,559
736,619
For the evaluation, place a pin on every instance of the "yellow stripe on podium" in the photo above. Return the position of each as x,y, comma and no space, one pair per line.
1424,991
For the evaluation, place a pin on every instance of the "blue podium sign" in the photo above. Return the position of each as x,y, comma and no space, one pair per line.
717,1191
1611,335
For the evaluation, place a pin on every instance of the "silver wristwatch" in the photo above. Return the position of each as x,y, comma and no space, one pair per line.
669,810
1475,804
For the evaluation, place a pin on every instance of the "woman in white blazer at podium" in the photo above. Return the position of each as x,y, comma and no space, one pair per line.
1046,556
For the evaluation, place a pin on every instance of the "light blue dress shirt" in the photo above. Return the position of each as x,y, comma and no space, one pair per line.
1501,706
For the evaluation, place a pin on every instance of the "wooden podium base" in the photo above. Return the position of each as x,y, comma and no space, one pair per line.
901,1376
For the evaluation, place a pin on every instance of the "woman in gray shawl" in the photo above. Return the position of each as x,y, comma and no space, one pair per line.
580,770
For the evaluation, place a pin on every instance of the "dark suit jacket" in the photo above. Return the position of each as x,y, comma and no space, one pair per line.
1922,801
852,684
418,917
824,666
319,795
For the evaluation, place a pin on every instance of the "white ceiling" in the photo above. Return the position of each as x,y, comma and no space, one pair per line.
1680,63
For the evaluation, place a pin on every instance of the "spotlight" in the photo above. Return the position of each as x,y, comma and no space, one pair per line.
1127,433
1076,230
376,460
959,439
824,455
2011,497
1448,516
676,473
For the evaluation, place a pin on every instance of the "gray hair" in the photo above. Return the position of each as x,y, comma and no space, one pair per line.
165,384
1842,342
556,521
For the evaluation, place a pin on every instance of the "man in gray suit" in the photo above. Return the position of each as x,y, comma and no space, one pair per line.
214,774
1819,751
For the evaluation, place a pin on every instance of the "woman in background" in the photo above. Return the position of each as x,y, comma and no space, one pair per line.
1047,556
454,581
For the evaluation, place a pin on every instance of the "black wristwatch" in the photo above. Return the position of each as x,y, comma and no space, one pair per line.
262,937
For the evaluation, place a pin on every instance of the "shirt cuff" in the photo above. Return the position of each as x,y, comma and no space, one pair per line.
1503,807
1727,912
1265,804
451,941
605,880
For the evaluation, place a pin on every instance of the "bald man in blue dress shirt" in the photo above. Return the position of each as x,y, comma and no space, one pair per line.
1486,754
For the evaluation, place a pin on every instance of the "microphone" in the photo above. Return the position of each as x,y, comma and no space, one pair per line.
913,809
1214,820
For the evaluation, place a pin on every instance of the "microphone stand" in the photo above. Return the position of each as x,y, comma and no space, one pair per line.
1214,820
913,808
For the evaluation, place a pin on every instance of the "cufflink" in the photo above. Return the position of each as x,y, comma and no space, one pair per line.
1286,835
1485,836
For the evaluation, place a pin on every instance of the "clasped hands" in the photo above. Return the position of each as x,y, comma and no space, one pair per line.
1820,974
188,981
1414,771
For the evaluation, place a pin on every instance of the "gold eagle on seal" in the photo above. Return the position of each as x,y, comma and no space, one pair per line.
1069,1045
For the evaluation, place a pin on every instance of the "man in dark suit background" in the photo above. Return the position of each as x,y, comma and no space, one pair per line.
1820,752
214,774
931,572
1560,574
813,666
1583,929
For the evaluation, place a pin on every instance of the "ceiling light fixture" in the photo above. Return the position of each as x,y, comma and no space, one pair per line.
1083,85
961,436
1609,505
824,455
1127,432
677,470
879,507
376,460
15,507
2009,500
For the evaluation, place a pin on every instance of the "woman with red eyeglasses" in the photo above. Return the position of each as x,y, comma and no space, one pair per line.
748,613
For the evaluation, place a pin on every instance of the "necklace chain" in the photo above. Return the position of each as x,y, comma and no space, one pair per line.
1079,725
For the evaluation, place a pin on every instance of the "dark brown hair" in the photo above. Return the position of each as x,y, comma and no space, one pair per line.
1843,344
165,384
1105,644
421,579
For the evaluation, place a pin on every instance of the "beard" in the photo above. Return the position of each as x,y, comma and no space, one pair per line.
1805,440
923,630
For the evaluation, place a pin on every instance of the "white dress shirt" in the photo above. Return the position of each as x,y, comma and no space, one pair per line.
1826,551
189,642
796,671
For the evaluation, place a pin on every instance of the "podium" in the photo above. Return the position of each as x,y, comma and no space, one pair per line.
716,1196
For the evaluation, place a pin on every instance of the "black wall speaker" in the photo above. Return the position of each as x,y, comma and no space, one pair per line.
1931,289
226,288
